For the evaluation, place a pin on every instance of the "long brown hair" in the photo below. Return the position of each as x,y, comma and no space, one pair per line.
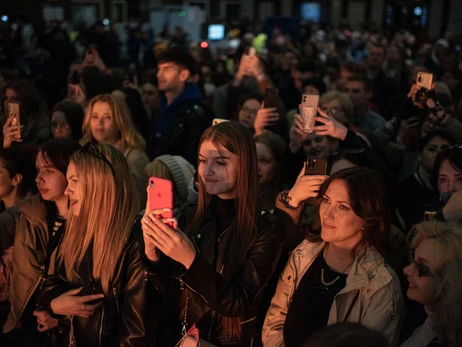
108,210
235,138
369,201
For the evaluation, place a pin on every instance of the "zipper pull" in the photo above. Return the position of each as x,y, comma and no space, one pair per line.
181,283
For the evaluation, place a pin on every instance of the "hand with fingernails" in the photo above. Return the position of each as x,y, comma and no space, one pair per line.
11,133
305,187
330,126
163,235
265,117
70,304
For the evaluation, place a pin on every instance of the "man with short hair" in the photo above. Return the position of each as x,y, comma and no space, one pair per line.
383,88
359,91
183,117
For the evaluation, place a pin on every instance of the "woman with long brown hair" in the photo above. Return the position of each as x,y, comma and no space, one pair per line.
228,251
340,273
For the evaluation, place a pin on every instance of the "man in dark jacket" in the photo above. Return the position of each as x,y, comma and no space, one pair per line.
182,116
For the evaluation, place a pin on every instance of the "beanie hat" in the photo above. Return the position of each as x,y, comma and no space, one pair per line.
182,172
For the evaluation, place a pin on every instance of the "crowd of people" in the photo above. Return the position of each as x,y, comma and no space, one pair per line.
259,248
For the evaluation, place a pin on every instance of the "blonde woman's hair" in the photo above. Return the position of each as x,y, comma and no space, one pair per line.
109,206
446,246
129,137
344,100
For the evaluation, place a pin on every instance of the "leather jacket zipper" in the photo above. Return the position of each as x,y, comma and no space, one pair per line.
116,297
101,328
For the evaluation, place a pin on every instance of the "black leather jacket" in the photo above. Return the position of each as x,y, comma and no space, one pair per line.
129,314
212,298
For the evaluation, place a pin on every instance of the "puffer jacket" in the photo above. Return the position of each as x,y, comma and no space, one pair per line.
29,255
372,295
212,298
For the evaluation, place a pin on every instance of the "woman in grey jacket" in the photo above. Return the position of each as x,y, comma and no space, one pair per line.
340,273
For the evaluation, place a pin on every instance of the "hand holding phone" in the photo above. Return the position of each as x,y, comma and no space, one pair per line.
308,111
309,181
12,127
158,232
271,98
265,117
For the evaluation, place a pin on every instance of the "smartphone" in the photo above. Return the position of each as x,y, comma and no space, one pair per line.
315,167
90,289
219,120
308,111
252,52
271,97
425,80
161,196
13,111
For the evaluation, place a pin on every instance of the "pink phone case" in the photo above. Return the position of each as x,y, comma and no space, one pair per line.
161,196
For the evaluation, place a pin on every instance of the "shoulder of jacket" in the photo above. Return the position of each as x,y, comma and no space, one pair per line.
33,208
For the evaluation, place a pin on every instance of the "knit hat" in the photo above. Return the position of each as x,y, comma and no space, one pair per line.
181,171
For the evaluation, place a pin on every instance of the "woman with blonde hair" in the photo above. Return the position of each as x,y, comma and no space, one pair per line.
435,281
108,120
99,258
338,106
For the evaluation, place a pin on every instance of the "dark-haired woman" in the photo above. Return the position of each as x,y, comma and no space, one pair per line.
229,250
67,120
416,192
340,273
34,123
39,227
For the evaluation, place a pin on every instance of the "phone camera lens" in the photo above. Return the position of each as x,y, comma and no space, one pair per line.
151,184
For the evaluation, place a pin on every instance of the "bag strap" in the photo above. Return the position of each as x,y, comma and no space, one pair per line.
351,307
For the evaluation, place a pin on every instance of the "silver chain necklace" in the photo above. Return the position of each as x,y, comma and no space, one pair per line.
323,287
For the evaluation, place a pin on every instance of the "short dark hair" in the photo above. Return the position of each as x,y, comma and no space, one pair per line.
178,56
354,67
362,79
17,161
58,152
438,133
454,155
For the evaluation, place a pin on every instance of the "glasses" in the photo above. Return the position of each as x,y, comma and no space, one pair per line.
56,125
91,149
420,270
332,110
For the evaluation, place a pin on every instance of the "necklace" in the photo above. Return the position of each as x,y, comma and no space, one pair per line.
323,287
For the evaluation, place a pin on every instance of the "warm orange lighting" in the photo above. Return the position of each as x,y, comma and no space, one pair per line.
204,44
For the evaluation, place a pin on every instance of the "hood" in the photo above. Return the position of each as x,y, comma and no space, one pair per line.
190,93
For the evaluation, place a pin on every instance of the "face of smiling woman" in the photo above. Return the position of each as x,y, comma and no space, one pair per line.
217,170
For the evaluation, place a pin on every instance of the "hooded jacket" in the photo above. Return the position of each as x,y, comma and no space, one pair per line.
372,295
181,125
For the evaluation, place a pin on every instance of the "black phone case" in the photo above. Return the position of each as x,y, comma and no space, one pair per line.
271,97
315,167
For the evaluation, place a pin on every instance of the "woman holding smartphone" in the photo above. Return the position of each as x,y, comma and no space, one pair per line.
229,249
340,273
